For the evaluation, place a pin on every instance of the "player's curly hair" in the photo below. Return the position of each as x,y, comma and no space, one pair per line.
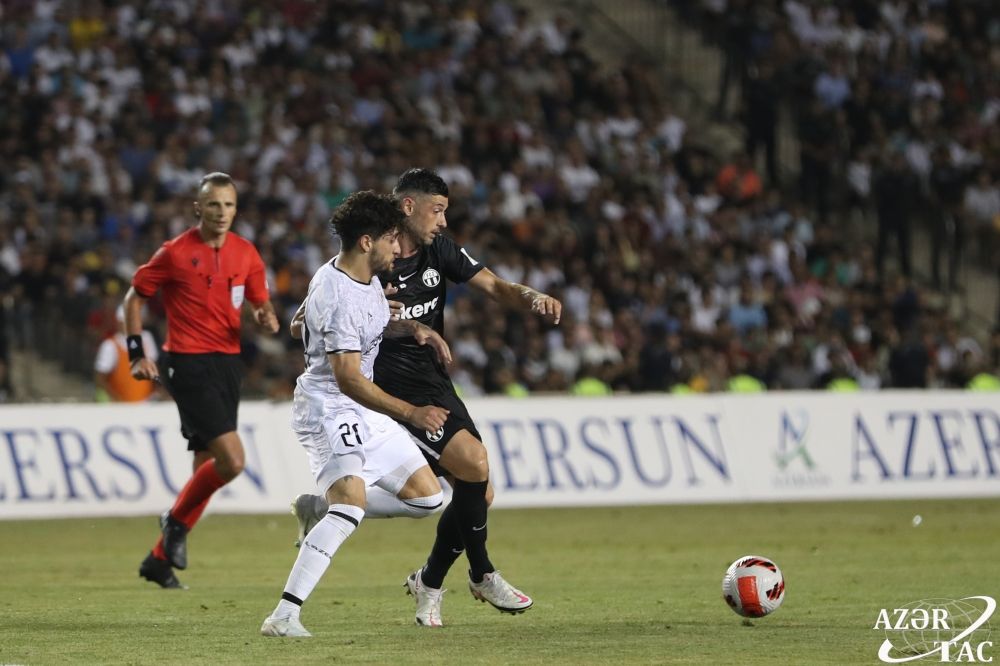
365,213
420,181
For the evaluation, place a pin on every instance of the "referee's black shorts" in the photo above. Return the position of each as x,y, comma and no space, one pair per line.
432,444
206,388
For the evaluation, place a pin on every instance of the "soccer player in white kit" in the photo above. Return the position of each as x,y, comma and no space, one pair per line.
341,418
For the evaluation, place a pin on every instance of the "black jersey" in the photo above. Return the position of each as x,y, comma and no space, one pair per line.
403,367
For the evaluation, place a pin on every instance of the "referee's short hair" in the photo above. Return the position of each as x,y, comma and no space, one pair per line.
366,213
420,181
216,179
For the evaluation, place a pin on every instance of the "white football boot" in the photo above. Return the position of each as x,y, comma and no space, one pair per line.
502,595
283,627
428,600
304,510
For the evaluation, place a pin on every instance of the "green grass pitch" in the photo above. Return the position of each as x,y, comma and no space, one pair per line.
611,586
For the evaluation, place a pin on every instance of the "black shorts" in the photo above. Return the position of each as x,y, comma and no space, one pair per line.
206,388
432,443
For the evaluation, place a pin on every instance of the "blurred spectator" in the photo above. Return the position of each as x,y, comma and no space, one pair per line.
737,181
947,183
761,96
909,361
112,371
981,207
590,381
894,189
746,315
817,152
735,44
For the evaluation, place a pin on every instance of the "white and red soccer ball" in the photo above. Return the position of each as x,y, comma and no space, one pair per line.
753,586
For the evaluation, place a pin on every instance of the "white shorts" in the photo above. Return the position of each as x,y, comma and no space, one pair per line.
364,443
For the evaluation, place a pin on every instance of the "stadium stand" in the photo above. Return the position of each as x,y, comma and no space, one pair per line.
680,268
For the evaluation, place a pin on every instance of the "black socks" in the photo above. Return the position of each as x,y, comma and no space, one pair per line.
463,523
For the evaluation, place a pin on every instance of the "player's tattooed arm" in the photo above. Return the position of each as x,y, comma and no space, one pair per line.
423,334
543,304
517,296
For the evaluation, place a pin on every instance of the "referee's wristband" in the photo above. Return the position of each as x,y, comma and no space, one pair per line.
134,345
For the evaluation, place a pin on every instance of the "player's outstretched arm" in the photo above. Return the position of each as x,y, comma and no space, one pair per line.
347,369
517,296
423,334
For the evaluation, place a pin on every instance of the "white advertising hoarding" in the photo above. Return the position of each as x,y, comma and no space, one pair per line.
75,460
781,446
72,460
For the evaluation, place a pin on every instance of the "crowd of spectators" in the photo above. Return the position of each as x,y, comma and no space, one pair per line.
889,97
679,269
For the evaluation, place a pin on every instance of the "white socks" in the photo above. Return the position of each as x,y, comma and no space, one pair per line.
383,504
314,556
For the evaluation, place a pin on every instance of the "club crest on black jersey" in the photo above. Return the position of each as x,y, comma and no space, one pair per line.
421,279
403,367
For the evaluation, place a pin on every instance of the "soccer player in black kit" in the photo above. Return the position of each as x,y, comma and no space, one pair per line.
410,371
405,368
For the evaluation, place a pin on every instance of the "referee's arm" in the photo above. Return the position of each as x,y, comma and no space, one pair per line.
264,315
141,367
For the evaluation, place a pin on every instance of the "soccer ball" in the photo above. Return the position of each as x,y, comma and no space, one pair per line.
753,586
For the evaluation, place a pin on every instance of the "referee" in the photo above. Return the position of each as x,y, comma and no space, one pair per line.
204,276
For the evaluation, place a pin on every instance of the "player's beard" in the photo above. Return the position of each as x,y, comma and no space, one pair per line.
418,237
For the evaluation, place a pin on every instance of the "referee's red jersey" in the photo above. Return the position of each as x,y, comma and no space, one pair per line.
203,290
